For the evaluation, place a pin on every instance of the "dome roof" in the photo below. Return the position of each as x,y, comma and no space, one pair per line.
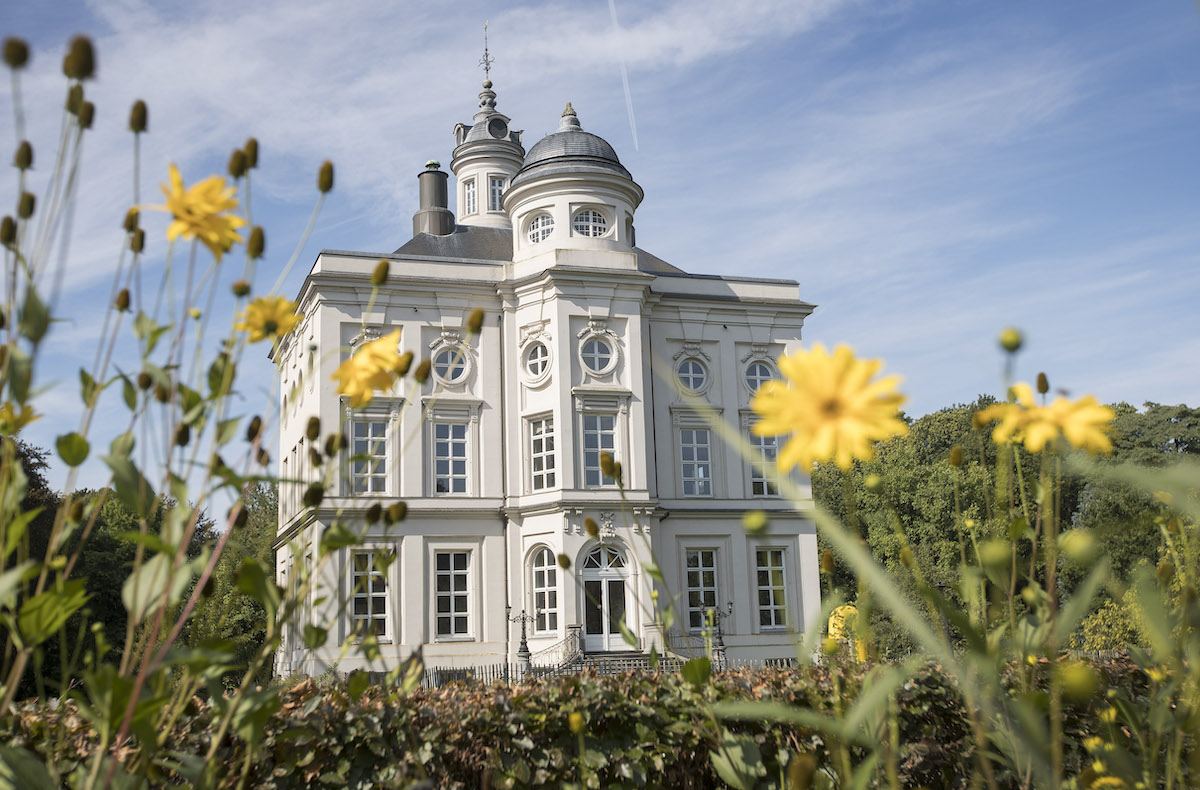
570,150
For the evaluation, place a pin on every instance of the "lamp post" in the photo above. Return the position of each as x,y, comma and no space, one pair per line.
719,643
524,657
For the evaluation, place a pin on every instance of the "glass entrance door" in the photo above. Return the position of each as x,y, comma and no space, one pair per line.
604,579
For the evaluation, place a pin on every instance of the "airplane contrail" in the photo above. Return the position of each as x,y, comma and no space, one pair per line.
612,8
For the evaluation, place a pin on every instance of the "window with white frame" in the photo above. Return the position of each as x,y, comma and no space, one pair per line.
469,197
541,453
757,374
452,576
599,436
701,571
450,457
368,585
495,192
692,374
368,454
540,228
537,359
450,364
763,479
545,591
597,354
589,222
772,589
695,455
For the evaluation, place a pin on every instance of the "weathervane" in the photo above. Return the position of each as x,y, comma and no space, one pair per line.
486,61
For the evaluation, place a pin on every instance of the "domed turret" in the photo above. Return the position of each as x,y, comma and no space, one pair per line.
487,155
572,192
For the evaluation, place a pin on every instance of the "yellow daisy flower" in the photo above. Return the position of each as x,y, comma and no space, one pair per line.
830,406
1085,423
13,420
268,316
1106,782
373,367
200,212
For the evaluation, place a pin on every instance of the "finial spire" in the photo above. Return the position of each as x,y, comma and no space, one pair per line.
486,61
570,121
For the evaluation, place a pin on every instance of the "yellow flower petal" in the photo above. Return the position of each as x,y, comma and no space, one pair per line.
373,367
268,316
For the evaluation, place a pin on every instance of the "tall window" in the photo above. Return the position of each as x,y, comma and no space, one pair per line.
495,191
701,586
541,453
763,481
453,601
369,596
772,600
449,458
599,436
469,197
696,459
545,591
368,461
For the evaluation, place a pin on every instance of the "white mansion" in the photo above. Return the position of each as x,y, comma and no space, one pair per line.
589,344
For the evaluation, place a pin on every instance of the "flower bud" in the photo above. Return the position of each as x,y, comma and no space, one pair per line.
397,511
137,240
830,646
995,554
575,722
237,163
1079,681
1078,546
564,562
591,527
827,562
956,453
325,176
754,521
8,231
373,513
144,381
251,149
616,474
25,205
1164,572
475,321
313,429
87,114
333,443
23,158
183,434
256,243
404,363
238,520
314,494
606,463
75,512
421,374
906,557
80,60
873,483
130,223
16,52
161,393
139,117
264,458
314,457
240,288
1011,340
380,275
977,420
1043,383
122,303
74,99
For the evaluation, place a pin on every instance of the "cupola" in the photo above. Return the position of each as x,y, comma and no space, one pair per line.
572,192
487,155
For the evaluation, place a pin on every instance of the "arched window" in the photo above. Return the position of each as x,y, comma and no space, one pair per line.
545,591
540,228
604,558
589,222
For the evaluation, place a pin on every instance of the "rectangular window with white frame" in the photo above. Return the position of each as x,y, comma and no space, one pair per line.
450,458
771,584
452,594
695,454
369,593
763,479
469,197
545,591
368,454
701,577
599,436
541,453
495,192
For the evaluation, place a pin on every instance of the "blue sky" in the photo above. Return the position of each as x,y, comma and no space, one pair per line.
928,172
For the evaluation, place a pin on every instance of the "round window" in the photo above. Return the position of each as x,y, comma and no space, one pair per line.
757,374
540,228
597,354
692,374
537,360
497,128
589,222
450,364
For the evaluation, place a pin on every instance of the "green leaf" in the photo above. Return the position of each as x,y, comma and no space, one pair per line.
254,711
629,637
221,375
145,328
20,769
17,528
1072,612
252,580
122,444
226,430
152,585
72,448
35,318
87,387
20,374
12,579
697,671
128,392
315,636
133,489
357,683
738,760
1018,529
410,671
42,615
872,702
